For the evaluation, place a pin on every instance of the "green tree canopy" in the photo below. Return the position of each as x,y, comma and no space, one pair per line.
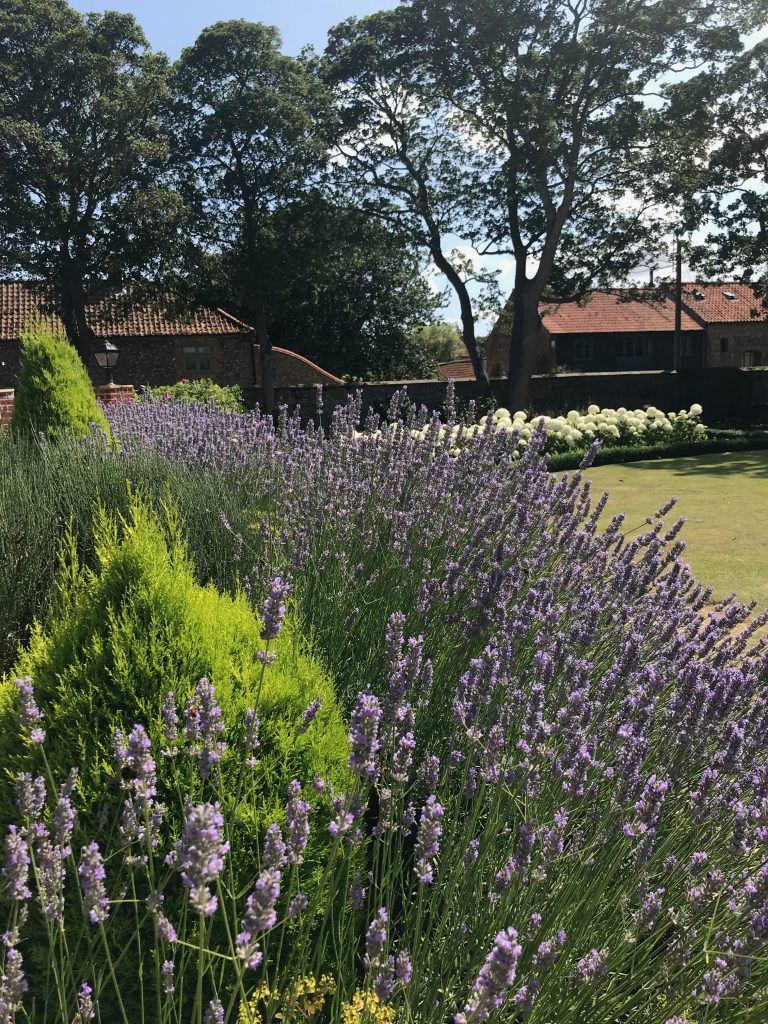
82,201
251,128
530,131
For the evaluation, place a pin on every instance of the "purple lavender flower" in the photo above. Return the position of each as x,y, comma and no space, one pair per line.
30,795
376,940
203,724
170,722
50,875
85,1008
310,714
274,848
200,853
13,985
138,776
31,716
260,916
273,610
64,814
428,839
357,893
252,743
167,971
92,876
298,904
214,1013
165,929
364,738
297,813
591,967
471,853
496,977
16,867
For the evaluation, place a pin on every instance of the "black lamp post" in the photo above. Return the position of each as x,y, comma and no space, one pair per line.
106,356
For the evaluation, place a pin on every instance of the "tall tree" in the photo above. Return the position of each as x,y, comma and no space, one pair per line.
251,127
557,94
81,195
346,289
729,186
550,123
402,153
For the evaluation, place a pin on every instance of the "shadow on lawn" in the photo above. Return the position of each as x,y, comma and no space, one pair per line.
745,464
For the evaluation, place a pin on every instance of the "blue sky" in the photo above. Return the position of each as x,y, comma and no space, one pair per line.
171,25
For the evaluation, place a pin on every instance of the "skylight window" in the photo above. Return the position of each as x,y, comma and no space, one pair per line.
730,296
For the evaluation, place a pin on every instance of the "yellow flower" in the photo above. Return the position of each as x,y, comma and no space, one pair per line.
366,1008
305,998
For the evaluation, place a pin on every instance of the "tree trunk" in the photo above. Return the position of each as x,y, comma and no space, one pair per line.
467,316
73,310
265,360
522,343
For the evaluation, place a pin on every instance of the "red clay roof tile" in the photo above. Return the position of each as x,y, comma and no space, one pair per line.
613,313
456,369
712,303
108,317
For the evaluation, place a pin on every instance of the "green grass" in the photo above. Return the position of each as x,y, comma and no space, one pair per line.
723,498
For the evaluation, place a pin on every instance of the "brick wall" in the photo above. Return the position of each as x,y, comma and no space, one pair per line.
292,370
107,394
739,337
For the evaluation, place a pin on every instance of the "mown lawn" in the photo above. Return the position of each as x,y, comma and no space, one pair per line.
724,498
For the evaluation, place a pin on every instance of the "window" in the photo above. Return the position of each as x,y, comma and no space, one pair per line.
724,344
196,359
583,350
635,348
752,357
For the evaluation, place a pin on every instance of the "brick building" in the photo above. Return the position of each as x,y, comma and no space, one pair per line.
609,331
156,347
722,325
735,322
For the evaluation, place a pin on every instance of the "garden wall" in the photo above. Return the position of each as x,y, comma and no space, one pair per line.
726,393
107,394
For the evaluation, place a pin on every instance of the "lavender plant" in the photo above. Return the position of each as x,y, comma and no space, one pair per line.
556,799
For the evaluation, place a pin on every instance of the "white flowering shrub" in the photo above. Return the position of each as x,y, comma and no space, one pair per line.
614,428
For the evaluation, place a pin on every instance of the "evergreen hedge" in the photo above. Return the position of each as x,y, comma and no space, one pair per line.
122,636
54,394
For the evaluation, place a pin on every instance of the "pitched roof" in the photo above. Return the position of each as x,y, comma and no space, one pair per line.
614,312
457,369
109,316
730,302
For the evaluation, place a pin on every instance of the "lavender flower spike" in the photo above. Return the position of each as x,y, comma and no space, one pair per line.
85,1008
260,916
200,853
310,714
428,839
16,867
31,716
273,610
215,1013
496,977
297,812
364,738
92,875
13,985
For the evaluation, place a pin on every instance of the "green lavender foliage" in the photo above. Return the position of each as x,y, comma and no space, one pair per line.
121,636
54,395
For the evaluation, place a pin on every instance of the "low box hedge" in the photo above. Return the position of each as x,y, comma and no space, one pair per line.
641,453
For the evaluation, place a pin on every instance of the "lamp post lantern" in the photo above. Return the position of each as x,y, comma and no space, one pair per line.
107,355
